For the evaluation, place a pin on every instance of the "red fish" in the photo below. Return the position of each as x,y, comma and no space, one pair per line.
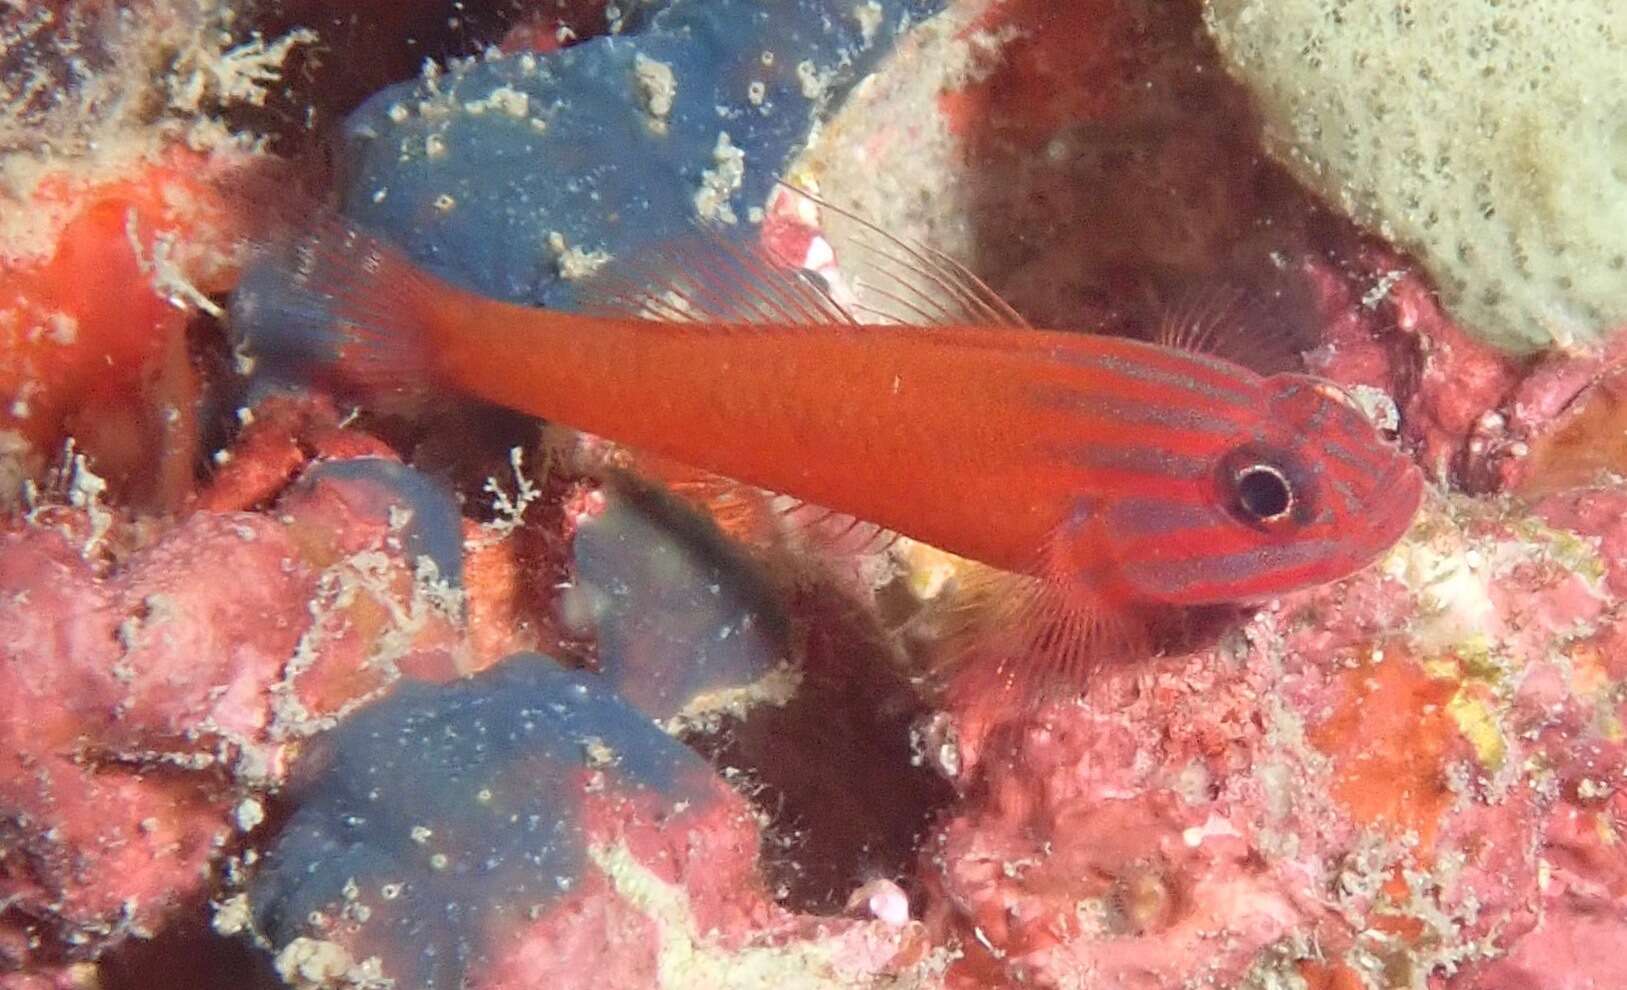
1115,476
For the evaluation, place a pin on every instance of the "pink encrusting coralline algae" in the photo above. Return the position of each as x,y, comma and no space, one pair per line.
1393,780
428,694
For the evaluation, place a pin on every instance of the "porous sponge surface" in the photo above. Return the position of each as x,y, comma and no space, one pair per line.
1488,138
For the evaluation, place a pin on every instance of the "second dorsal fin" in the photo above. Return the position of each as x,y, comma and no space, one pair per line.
1227,322
708,276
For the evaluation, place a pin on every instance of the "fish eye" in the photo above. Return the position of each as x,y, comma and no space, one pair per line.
1263,493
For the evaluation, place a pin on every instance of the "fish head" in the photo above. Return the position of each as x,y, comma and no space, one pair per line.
1305,490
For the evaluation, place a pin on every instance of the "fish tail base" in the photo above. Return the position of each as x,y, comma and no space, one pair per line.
336,307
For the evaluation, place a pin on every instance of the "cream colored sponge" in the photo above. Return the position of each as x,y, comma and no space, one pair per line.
1488,137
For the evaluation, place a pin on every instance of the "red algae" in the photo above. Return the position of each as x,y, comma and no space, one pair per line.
139,725
118,228
94,334
1037,69
1382,328
165,675
283,435
1390,739
1323,779
1568,422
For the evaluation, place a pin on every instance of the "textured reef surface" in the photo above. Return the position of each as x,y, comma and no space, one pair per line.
302,694
1485,139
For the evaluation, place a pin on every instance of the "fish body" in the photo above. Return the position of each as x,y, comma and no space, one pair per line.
1119,473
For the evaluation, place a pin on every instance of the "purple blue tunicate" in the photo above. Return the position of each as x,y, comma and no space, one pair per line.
432,524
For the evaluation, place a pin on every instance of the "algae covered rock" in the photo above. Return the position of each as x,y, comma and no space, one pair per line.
1490,139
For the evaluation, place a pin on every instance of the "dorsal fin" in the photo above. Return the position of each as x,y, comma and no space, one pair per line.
1223,321
919,283
706,277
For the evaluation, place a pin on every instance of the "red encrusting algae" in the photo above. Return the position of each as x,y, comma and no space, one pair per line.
93,338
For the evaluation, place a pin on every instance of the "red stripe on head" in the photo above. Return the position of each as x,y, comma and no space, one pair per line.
1309,494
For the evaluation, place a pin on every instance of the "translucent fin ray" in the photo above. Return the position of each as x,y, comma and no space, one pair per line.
340,303
1222,322
1028,640
830,532
703,277
945,286
756,516
1031,638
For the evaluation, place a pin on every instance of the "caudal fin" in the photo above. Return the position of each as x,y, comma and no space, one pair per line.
338,307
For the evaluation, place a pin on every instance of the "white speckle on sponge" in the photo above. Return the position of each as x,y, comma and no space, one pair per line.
869,16
249,814
720,182
811,80
504,100
657,85
574,262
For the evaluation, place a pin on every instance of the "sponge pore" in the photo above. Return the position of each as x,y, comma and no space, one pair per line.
1490,139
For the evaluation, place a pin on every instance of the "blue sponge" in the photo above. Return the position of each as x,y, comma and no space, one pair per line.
486,172
447,811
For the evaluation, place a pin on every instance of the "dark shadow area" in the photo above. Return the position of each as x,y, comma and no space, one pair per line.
833,768
1118,181
363,48
188,955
